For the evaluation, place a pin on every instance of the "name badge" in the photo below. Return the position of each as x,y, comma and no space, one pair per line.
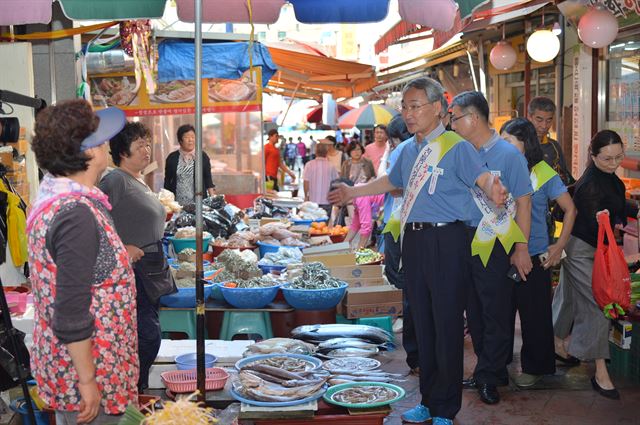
435,172
495,173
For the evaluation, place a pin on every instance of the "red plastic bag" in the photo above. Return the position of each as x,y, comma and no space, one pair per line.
611,282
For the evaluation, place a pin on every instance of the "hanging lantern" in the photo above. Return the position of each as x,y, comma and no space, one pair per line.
598,28
503,56
543,46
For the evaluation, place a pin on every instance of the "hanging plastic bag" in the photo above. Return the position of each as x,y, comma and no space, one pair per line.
611,282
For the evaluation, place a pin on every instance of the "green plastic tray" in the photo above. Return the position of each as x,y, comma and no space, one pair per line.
327,396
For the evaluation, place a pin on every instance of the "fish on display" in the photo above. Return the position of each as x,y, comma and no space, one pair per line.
338,343
255,387
320,333
351,352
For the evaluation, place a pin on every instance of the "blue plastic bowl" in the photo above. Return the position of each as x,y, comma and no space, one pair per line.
185,297
308,222
249,297
313,299
265,247
188,361
271,268
180,244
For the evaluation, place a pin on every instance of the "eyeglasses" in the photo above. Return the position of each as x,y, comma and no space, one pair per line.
453,118
617,158
413,108
141,145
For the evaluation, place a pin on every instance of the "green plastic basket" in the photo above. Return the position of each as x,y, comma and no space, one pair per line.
337,388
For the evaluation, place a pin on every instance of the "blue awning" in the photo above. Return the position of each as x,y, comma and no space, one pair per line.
219,60
331,11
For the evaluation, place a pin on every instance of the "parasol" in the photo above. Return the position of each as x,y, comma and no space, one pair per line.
367,116
316,113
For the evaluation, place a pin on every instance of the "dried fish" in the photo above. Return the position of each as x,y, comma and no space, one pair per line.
280,345
286,363
315,276
352,352
365,395
260,389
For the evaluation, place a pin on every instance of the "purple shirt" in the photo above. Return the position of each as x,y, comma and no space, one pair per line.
319,173
302,149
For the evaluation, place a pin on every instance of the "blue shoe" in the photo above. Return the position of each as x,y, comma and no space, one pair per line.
417,415
441,421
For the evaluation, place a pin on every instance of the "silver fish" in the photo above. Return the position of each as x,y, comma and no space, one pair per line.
335,343
317,333
352,352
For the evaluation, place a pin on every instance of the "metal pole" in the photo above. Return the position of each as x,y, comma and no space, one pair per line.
560,86
199,192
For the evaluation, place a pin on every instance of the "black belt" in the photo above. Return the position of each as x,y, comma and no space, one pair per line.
426,225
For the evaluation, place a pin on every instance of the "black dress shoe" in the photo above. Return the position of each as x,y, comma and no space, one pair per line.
612,394
569,361
488,393
469,383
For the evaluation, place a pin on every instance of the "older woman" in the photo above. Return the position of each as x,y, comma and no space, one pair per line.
84,342
575,311
532,299
139,219
179,169
357,168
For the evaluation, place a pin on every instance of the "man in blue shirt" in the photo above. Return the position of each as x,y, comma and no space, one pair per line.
435,251
490,298
398,135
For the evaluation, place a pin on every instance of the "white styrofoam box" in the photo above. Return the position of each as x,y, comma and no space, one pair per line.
155,382
227,352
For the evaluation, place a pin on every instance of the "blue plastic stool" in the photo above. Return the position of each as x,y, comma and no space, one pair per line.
382,322
178,321
245,322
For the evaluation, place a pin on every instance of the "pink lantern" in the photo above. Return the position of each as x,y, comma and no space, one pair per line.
598,28
439,15
503,56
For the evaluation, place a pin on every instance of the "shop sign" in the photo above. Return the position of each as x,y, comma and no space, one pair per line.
627,11
581,89
178,96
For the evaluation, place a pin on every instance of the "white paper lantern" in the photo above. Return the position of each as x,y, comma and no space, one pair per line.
598,28
543,46
503,56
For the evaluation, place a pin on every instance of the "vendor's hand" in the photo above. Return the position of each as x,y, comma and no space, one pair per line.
293,176
605,211
521,259
134,252
555,255
340,195
89,401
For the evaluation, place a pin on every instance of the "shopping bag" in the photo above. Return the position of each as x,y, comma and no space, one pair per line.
611,281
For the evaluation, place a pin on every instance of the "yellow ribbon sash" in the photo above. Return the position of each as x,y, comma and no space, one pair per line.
540,174
425,166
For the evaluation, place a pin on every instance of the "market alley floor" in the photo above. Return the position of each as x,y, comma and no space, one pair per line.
565,398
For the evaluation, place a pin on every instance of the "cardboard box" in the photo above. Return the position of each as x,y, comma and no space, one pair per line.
365,282
357,272
331,260
620,334
382,300
331,249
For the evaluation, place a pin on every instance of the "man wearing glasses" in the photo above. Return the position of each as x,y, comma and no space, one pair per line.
435,169
497,244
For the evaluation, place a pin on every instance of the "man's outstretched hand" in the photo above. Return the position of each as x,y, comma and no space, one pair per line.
341,194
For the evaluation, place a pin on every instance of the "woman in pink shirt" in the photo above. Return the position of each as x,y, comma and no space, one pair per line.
365,210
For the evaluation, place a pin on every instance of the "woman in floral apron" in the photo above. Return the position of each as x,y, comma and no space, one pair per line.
84,354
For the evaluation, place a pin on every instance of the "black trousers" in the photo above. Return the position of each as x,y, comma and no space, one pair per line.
435,262
489,314
532,301
396,277
149,332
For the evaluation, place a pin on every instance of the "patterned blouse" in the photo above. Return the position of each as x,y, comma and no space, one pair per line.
113,305
185,190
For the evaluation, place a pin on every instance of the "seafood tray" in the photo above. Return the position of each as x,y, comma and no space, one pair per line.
242,399
364,394
185,381
351,363
291,362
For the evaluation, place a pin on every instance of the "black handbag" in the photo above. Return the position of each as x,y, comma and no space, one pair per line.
155,273
8,368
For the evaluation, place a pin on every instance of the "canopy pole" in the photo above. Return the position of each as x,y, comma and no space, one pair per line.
293,97
200,319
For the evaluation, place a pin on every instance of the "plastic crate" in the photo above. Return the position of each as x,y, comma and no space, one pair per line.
185,381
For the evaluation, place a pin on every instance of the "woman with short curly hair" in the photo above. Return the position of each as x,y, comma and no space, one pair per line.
84,354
